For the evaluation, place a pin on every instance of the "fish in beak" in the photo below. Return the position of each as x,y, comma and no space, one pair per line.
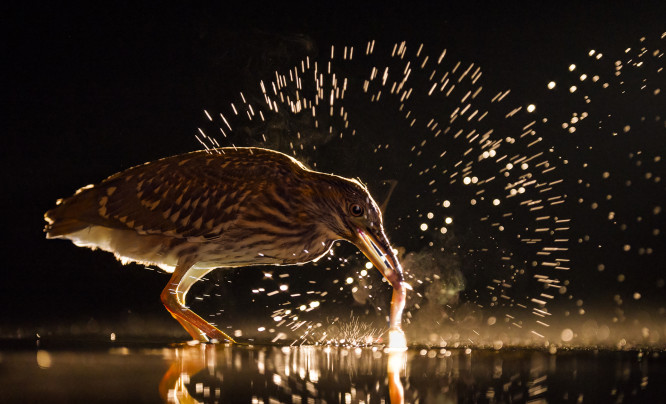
378,250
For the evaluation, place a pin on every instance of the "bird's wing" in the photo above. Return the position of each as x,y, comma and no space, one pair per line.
195,195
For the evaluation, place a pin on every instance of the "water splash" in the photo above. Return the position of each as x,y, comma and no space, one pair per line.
490,212
606,116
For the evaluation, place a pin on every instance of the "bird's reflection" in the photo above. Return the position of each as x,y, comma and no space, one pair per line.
209,373
315,374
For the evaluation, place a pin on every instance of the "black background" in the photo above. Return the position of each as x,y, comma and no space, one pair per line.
92,89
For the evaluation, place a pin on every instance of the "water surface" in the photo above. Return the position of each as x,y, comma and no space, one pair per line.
78,371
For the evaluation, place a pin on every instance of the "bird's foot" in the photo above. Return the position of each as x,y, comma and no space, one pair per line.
216,336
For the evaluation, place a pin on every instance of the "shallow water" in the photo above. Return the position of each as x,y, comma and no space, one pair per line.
76,371
528,208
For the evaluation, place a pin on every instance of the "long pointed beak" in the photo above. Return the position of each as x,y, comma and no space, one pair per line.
379,252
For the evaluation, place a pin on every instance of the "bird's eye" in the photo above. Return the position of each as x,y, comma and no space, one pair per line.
356,209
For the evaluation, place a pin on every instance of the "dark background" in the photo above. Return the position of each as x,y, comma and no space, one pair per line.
90,90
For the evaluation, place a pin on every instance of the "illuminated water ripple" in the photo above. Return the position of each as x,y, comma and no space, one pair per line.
497,201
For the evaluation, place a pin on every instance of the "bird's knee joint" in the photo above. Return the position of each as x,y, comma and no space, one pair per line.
169,297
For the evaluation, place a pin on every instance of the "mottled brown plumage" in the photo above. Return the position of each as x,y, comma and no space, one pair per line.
228,207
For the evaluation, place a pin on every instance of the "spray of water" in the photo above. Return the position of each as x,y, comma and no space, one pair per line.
502,208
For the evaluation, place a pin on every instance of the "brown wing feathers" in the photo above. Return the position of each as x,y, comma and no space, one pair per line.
190,195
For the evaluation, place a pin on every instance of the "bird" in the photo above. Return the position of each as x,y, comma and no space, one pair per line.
222,208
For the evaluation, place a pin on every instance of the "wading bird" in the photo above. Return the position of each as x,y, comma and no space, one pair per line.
227,207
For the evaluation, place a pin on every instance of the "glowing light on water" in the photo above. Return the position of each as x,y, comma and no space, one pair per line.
457,151
567,335
44,360
397,341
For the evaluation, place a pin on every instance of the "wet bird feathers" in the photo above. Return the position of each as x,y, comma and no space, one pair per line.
241,198
191,195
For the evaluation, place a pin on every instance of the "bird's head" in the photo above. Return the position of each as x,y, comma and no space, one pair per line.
349,212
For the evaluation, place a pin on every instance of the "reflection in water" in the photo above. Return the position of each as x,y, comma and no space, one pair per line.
209,373
370,375
396,360
316,374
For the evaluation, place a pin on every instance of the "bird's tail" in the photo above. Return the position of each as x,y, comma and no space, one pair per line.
58,228
67,216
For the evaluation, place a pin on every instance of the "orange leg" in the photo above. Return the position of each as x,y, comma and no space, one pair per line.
173,298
